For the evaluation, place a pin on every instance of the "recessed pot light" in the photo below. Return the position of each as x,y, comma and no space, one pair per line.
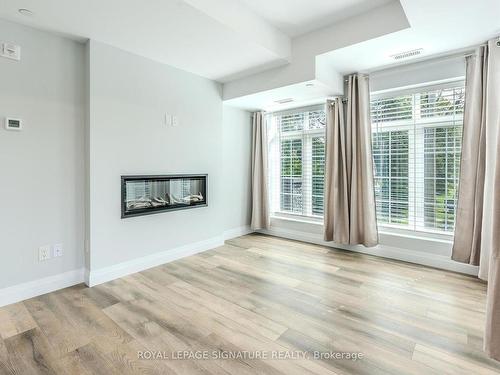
25,12
310,84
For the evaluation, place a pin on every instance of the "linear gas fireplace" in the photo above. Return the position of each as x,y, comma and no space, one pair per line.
144,195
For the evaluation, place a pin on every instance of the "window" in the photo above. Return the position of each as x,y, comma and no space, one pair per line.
297,161
416,143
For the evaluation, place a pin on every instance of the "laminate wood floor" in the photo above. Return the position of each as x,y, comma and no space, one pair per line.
256,296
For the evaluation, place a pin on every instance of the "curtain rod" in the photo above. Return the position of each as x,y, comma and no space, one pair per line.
482,45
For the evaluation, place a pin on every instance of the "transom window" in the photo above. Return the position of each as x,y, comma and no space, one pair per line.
416,139
297,161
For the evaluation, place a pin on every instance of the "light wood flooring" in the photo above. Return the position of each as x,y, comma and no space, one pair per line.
256,293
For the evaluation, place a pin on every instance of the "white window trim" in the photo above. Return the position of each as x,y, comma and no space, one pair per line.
419,232
297,218
306,136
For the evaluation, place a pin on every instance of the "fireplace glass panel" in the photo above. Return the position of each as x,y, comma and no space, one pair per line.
143,195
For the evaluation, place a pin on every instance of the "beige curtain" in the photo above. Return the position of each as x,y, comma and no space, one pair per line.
477,233
490,244
350,212
260,205
467,241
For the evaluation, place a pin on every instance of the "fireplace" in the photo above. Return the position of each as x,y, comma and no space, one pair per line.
144,195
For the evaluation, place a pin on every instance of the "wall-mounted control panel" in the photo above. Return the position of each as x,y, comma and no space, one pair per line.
13,123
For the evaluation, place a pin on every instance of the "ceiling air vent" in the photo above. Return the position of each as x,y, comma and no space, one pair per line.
283,101
407,54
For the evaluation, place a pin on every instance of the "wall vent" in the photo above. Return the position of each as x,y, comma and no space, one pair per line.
407,54
283,101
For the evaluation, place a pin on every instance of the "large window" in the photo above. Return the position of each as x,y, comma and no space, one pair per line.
416,141
297,155
416,150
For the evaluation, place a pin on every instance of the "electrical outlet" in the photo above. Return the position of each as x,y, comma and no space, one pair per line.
44,253
58,250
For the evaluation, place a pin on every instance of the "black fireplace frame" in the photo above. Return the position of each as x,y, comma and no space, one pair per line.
157,210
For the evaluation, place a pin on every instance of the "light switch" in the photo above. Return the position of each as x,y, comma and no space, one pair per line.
168,119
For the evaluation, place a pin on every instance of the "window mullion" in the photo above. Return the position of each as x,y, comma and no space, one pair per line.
418,182
307,175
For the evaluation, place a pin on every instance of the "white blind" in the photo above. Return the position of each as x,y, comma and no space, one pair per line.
416,150
297,161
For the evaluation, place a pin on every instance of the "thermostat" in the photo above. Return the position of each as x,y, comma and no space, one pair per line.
13,124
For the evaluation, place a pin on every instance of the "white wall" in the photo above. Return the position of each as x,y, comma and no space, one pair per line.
129,96
41,167
237,140
432,70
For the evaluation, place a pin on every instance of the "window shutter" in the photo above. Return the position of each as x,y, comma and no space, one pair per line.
416,151
297,159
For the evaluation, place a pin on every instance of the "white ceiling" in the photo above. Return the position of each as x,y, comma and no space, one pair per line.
217,39
304,93
439,27
228,39
299,17
169,31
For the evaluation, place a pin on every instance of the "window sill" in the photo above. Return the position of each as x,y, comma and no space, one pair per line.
383,230
417,235
297,218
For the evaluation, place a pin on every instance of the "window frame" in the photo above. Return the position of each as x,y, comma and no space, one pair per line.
306,136
416,143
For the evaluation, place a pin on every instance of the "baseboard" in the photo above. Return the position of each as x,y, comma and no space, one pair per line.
411,256
102,275
20,292
237,232
49,284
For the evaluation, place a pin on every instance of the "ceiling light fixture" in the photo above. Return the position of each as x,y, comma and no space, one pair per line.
309,84
407,54
25,12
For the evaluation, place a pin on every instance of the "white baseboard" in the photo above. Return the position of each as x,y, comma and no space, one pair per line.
49,284
237,232
411,256
102,275
20,292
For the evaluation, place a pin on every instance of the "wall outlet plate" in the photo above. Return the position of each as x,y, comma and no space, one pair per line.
58,250
44,253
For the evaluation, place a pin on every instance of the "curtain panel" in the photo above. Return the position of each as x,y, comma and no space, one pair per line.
477,232
350,211
260,196
467,237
